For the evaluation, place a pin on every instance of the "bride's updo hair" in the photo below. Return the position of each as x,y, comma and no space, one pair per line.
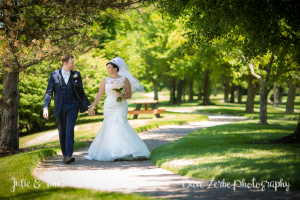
114,65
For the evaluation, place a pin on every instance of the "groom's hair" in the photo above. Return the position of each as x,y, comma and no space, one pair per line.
114,65
66,58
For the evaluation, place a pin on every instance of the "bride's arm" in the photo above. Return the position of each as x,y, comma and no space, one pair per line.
128,93
99,94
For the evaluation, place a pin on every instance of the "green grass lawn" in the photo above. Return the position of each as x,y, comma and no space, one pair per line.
233,152
239,110
277,112
238,150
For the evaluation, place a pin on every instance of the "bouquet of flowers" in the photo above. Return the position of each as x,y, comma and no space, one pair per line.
118,87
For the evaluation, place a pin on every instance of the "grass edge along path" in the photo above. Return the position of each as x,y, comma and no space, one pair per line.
232,152
180,119
19,167
156,124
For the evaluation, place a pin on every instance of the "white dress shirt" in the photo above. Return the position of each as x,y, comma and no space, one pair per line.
66,75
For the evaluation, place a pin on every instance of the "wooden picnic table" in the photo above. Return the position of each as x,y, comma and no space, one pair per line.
152,103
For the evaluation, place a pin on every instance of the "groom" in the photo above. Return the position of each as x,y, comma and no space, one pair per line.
69,98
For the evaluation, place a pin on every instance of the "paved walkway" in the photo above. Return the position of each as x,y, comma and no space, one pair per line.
50,136
143,176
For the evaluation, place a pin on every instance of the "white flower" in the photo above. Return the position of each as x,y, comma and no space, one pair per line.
75,76
118,85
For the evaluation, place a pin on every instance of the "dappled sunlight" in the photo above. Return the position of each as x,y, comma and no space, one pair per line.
233,151
179,163
138,173
232,166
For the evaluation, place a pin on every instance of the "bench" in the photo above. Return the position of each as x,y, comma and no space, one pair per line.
159,110
152,103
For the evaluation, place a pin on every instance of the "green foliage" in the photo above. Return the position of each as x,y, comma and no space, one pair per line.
32,89
163,48
265,25
258,29
156,45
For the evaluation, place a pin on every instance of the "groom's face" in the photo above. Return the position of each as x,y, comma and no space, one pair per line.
70,64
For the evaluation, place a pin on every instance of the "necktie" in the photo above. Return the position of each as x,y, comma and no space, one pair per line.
66,75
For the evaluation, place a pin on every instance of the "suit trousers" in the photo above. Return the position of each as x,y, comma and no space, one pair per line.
65,123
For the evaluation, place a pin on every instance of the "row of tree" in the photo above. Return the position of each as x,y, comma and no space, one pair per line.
262,34
161,51
189,43
134,39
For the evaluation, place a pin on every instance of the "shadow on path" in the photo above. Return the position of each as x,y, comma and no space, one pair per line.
142,176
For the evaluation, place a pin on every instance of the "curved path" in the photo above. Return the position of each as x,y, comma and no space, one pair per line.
143,176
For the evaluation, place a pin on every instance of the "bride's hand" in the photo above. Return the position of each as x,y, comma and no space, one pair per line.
91,111
119,94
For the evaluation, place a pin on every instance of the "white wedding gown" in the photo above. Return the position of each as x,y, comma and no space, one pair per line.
116,139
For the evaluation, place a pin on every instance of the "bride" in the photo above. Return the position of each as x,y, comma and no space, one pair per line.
116,139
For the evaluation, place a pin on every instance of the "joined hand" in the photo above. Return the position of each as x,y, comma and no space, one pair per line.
91,111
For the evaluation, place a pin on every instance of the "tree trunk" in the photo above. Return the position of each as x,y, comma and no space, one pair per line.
183,93
191,93
9,134
199,92
297,131
179,91
274,97
172,92
215,91
206,88
280,94
226,92
263,106
232,95
264,94
291,97
155,85
252,89
240,94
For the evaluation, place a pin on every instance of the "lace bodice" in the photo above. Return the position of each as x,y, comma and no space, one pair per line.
109,84
113,80
112,109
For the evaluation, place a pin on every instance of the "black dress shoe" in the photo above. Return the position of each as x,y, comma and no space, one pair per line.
69,160
72,159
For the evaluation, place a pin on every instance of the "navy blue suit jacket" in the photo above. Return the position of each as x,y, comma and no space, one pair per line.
55,85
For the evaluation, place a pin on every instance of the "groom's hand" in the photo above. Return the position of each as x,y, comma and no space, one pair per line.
45,113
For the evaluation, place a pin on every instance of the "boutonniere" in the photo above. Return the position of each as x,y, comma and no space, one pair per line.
75,76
